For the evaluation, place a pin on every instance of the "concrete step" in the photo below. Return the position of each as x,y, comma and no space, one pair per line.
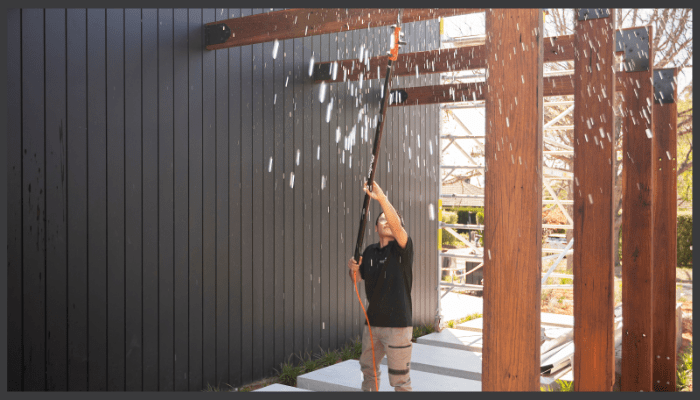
454,339
457,363
444,361
549,320
346,376
278,387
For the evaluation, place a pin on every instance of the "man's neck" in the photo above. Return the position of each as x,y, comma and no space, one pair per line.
384,240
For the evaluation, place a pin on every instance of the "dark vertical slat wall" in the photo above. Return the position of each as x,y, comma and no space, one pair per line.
266,184
115,201
33,200
76,167
247,218
149,200
133,188
97,200
209,88
194,210
56,265
14,199
234,231
278,182
181,202
195,199
222,210
165,200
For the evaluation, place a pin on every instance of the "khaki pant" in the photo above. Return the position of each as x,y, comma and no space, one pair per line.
396,344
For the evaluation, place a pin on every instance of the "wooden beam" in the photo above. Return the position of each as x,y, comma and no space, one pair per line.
664,208
513,201
303,22
458,92
637,251
432,61
594,353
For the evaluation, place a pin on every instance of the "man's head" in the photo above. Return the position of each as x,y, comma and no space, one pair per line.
381,226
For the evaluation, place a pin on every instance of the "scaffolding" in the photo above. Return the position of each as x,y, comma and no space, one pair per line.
475,168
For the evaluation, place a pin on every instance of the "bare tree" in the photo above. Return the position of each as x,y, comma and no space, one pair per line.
673,47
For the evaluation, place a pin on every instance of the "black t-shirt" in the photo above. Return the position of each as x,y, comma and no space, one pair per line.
393,306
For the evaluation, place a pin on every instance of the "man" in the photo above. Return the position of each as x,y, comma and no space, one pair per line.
386,268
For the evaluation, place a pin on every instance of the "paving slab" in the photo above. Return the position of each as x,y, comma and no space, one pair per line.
549,321
346,376
457,306
454,339
445,361
563,321
278,387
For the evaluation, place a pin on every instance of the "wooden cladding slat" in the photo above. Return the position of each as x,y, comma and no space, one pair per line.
594,362
458,92
664,210
14,200
512,202
556,48
637,251
305,22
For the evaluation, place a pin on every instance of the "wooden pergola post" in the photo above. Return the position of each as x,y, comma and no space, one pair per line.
594,88
513,200
637,233
664,226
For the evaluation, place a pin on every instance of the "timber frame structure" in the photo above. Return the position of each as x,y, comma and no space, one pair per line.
514,175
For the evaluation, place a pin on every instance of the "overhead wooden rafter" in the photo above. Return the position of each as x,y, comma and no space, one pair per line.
458,92
303,22
556,49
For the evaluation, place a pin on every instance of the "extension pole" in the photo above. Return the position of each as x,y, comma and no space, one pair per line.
393,55
378,138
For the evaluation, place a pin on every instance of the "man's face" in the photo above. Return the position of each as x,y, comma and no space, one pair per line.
382,227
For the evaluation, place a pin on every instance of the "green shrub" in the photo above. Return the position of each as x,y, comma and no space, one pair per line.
684,240
464,212
449,217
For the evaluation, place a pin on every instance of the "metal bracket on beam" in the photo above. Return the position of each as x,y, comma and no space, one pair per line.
664,86
216,34
323,72
585,14
635,45
398,96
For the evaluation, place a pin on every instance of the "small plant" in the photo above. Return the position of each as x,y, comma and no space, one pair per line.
290,372
327,358
422,330
565,386
357,348
684,371
211,388
451,324
546,293
566,281
346,352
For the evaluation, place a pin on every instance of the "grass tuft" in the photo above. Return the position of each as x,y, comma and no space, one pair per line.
684,371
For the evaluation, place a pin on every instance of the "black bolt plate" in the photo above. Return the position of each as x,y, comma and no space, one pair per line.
216,34
399,96
635,44
664,86
592,13
322,72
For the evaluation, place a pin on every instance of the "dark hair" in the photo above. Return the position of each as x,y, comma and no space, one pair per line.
380,214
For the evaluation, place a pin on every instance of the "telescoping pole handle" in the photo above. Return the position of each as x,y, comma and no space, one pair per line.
394,53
